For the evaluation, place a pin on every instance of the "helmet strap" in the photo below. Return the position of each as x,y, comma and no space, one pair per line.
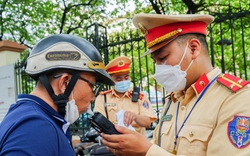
61,99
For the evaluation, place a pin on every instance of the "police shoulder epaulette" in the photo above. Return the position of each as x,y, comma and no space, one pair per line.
141,96
232,82
105,92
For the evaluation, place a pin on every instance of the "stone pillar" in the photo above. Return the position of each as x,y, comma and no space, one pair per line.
9,55
10,52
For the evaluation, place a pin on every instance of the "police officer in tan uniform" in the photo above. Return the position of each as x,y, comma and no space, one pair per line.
140,114
207,113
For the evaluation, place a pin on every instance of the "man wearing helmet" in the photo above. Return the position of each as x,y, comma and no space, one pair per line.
66,69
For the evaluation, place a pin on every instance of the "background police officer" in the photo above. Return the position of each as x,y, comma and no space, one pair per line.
137,113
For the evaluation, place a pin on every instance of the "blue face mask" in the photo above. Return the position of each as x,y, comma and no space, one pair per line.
122,86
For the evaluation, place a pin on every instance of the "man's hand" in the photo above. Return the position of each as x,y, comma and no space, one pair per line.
129,143
129,117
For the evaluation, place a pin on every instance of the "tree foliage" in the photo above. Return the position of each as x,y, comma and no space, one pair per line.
27,21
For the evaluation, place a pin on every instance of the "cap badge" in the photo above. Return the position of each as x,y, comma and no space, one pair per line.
143,29
121,63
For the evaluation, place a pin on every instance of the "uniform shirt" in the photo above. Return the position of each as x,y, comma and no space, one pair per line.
32,127
218,125
115,103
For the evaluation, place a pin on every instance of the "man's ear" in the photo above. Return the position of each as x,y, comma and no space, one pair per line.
63,82
195,47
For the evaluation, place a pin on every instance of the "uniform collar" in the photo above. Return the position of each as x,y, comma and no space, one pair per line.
196,88
204,80
126,94
177,96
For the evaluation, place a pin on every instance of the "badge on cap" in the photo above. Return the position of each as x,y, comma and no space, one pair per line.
238,131
121,63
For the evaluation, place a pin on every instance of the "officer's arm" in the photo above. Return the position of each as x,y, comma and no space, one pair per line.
230,131
146,115
143,121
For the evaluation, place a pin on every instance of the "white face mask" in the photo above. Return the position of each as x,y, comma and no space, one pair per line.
72,113
172,78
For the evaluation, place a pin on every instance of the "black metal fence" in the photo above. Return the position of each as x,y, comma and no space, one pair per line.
24,83
228,39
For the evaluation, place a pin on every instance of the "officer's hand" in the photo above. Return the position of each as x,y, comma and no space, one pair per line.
129,117
128,143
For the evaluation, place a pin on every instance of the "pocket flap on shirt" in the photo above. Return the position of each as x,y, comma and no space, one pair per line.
196,132
166,127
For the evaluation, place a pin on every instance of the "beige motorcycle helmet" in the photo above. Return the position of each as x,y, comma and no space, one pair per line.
64,51
69,52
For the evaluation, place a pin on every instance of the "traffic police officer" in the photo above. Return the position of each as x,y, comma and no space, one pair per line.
207,112
140,114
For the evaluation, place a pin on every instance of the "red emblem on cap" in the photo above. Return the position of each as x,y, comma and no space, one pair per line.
121,63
